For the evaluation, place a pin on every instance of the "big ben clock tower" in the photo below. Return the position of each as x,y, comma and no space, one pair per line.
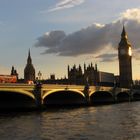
125,58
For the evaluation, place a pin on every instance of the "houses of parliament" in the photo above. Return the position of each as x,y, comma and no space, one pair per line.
91,74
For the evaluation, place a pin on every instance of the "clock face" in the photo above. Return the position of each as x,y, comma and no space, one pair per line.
129,51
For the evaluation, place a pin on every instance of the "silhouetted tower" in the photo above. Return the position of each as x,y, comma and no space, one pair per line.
68,71
80,70
84,67
29,71
14,72
68,68
125,58
96,67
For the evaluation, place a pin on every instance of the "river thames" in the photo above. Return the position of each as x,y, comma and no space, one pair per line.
108,122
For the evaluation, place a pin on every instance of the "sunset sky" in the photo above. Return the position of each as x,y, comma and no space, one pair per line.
62,32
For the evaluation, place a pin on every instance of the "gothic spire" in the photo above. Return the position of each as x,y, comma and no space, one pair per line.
29,60
96,67
84,67
68,68
80,67
124,35
29,53
124,39
91,64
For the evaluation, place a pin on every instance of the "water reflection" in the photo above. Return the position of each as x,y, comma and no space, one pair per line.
117,122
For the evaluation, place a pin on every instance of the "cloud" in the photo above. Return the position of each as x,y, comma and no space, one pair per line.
107,57
64,4
51,39
133,14
95,39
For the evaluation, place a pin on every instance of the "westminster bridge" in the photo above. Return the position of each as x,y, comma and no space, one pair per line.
24,95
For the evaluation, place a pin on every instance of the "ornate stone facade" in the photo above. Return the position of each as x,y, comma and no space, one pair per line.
29,71
90,74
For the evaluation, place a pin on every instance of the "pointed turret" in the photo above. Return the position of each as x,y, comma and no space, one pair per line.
68,71
29,60
80,70
91,65
12,70
84,67
68,68
96,67
80,67
124,39
124,35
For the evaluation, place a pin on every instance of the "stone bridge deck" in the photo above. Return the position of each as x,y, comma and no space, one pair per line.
63,94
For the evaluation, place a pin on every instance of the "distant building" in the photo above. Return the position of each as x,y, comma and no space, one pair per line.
106,79
29,71
14,72
75,75
12,78
90,74
39,76
8,79
52,77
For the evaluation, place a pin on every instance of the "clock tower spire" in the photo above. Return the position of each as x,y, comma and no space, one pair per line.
125,61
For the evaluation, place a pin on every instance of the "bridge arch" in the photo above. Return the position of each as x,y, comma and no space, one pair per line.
10,98
101,97
64,97
26,93
136,96
123,96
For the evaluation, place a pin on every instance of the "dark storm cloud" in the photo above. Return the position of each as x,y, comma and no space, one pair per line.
94,39
50,39
89,40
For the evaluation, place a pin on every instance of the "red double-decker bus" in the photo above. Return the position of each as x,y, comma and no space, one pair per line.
8,79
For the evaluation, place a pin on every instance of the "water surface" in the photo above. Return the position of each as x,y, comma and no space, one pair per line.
108,122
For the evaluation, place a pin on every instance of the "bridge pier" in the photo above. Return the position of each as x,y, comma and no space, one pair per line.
130,92
86,93
38,94
114,94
